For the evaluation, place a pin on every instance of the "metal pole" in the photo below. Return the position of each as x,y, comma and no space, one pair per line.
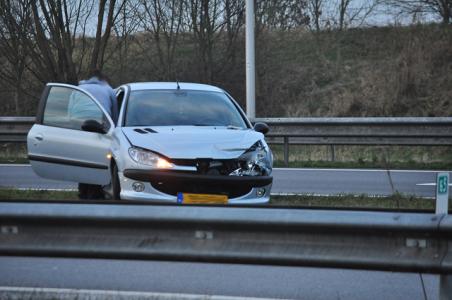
333,154
442,207
250,61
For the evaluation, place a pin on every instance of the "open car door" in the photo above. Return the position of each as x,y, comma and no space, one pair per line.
71,137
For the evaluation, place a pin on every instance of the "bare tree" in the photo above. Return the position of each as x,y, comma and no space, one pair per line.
53,38
57,40
315,10
342,10
163,19
345,13
442,8
103,30
281,14
203,20
127,24
215,26
14,20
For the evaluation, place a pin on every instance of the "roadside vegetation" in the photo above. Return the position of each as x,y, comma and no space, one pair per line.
14,194
13,153
395,202
379,157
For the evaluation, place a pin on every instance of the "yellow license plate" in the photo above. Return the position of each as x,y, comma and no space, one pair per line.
186,198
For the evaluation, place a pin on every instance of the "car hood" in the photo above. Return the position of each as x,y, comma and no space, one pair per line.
191,142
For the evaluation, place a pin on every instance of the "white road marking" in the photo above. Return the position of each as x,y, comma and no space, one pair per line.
430,184
359,170
58,293
45,189
328,195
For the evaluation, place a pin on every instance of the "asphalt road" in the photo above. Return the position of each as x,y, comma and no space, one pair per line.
214,279
297,181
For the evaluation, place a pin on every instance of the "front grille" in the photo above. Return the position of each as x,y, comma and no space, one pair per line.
172,188
210,166
204,166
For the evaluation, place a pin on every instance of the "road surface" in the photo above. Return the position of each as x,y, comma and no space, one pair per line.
296,181
214,279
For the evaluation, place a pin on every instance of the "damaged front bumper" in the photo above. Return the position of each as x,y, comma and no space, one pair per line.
163,186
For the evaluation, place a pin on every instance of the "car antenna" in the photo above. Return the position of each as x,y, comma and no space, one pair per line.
178,86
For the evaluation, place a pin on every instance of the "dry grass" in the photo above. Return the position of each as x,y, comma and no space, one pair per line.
393,157
360,72
395,202
13,194
390,71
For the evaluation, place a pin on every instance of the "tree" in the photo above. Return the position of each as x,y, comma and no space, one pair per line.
345,13
342,10
57,42
128,22
14,21
281,14
442,8
103,32
163,19
315,9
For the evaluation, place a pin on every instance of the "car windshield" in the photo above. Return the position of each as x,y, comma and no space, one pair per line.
183,107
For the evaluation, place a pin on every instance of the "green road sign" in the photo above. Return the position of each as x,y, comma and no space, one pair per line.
442,193
443,184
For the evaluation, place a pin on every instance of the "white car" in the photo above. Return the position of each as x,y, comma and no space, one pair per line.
173,142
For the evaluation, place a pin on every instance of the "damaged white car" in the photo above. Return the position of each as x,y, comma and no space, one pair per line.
173,142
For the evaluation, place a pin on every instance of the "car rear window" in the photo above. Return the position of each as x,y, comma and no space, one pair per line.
179,108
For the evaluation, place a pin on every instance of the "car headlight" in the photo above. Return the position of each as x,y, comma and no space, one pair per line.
149,158
256,161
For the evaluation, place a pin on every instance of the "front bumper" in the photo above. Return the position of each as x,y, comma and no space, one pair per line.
164,186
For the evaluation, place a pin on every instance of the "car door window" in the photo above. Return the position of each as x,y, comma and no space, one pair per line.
69,108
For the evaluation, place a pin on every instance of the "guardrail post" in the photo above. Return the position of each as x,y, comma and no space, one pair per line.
445,287
286,151
333,154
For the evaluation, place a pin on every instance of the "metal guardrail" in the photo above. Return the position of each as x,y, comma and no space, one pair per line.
15,129
315,131
392,241
358,131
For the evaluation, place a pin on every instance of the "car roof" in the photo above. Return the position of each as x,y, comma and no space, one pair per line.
136,86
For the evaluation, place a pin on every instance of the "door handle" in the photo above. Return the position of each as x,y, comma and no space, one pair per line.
39,137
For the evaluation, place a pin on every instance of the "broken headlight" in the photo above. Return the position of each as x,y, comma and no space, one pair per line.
256,161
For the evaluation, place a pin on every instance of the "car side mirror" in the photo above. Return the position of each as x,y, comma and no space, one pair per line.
261,127
93,126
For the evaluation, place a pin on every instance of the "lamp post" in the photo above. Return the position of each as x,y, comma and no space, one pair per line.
250,61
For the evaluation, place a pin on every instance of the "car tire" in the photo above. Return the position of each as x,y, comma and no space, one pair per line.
90,192
115,185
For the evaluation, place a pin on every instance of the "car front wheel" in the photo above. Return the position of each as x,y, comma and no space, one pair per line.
115,185
90,191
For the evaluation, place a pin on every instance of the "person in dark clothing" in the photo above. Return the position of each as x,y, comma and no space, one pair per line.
97,85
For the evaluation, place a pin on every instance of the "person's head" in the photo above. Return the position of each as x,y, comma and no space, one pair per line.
99,75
